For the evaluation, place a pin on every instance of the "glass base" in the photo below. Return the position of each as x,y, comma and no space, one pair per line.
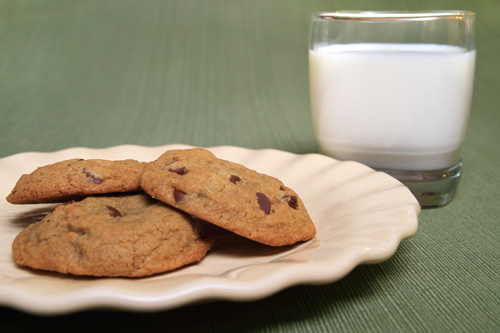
434,188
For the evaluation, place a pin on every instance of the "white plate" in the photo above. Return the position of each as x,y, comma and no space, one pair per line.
361,216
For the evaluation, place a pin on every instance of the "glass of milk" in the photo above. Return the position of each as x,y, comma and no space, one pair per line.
393,90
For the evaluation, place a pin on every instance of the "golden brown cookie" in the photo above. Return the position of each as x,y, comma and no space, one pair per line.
248,203
68,179
127,236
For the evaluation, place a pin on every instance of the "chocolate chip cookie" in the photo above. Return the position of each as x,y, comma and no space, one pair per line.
227,194
68,179
126,236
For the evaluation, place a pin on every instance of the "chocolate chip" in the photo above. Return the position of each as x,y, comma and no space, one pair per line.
178,195
234,179
264,202
282,188
93,178
292,200
180,171
113,211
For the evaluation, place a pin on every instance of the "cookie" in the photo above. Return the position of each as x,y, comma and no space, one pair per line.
74,178
229,195
122,236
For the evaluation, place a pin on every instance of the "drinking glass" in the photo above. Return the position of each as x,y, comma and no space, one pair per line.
393,90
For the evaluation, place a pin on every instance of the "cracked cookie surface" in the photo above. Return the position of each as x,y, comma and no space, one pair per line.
250,204
74,178
126,236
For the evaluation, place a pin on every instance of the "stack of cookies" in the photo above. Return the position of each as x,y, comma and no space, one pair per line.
133,219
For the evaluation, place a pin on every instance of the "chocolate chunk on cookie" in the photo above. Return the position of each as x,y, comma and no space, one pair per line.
227,194
76,177
127,236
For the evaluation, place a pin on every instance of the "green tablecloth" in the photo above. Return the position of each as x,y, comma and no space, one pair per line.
222,72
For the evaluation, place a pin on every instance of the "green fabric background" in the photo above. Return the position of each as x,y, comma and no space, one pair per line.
222,72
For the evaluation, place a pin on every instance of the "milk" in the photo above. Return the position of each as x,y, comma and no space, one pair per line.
394,106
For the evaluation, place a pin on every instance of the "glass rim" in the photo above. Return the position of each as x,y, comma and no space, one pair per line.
393,15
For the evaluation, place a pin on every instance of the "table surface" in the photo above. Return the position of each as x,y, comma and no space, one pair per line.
221,72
